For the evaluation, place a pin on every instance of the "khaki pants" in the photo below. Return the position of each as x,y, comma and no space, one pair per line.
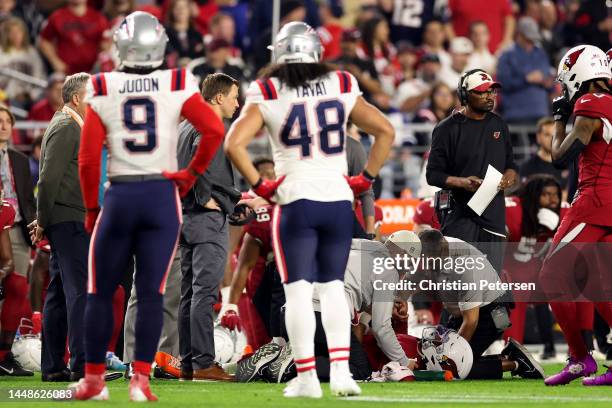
21,250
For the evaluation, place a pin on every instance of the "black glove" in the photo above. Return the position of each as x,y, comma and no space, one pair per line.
562,108
242,215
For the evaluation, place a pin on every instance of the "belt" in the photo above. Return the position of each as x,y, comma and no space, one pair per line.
136,178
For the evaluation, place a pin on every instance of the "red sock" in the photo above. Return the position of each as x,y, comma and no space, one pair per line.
565,314
517,318
95,369
605,310
142,367
16,304
585,315
118,303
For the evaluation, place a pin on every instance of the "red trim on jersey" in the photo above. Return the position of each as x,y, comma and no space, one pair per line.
345,82
209,125
334,350
90,156
270,87
178,79
103,81
96,88
263,89
278,249
99,84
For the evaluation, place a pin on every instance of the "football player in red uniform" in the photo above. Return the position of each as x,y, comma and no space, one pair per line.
584,74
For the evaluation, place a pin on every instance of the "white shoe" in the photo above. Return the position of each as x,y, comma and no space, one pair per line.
305,385
341,382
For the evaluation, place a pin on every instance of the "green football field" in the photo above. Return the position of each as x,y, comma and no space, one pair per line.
504,393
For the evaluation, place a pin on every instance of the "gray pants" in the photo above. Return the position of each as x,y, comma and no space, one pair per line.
168,341
204,240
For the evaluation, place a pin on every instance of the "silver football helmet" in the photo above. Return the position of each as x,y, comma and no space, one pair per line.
296,42
140,41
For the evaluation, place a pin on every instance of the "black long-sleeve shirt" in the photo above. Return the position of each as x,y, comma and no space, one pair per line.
463,147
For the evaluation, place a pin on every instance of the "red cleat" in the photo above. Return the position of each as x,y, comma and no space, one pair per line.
140,391
89,389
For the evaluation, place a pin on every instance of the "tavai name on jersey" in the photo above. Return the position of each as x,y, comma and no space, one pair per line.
311,89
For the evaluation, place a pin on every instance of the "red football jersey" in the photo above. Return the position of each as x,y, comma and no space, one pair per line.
260,229
7,215
593,203
426,214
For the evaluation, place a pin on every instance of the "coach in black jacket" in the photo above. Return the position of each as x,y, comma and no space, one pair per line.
463,146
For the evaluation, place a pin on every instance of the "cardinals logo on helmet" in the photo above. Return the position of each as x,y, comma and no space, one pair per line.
571,59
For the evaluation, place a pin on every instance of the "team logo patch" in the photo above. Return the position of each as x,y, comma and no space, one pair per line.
496,135
571,59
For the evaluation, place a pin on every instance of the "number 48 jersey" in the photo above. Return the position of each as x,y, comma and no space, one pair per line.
307,128
141,114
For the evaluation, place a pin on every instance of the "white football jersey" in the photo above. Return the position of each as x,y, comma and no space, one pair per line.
307,128
141,114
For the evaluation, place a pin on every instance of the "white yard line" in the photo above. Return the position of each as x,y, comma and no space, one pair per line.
478,399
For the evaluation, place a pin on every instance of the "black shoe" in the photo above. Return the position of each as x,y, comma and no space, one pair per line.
528,367
251,368
75,376
62,376
11,367
548,353
115,375
159,373
282,369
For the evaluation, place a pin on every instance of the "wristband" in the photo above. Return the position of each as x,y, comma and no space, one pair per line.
256,185
368,176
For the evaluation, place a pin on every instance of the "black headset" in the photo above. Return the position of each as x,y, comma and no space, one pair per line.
462,91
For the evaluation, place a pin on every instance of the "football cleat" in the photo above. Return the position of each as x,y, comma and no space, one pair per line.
341,381
11,367
251,368
604,379
528,367
139,389
283,368
306,385
89,389
168,364
574,369
113,362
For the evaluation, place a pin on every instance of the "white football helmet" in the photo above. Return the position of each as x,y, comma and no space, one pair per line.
140,41
579,65
27,351
229,344
296,42
445,350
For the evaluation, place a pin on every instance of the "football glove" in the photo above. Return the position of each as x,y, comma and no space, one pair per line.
242,215
90,219
266,188
229,317
360,183
184,179
561,108
548,218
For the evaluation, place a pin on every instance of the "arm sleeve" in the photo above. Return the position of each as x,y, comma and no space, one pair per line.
211,129
436,171
510,164
52,170
90,156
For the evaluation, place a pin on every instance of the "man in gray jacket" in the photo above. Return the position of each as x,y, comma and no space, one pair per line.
60,218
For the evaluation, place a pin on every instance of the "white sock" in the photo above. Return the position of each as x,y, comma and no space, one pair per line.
336,319
301,324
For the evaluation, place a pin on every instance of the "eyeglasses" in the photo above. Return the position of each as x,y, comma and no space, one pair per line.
490,91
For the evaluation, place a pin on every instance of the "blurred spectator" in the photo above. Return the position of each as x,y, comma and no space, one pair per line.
552,37
411,166
115,11
496,14
28,11
460,49
18,54
239,11
408,18
481,58
217,60
184,41
363,69
591,23
413,93
222,26
442,101
204,11
525,75
44,109
330,31
34,159
541,161
72,36
291,10
377,46
433,42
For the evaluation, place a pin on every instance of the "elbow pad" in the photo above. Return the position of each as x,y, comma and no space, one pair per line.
572,154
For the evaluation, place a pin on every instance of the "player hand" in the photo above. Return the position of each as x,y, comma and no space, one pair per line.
508,180
229,317
267,188
360,183
471,183
184,179
548,218
90,219
36,232
424,316
561,109
400,311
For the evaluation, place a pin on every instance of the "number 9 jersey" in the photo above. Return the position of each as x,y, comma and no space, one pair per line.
141,114
307,128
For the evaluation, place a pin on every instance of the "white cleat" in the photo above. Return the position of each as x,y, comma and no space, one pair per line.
306,386
341,382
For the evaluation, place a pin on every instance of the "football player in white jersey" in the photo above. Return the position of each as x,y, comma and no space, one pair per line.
305,105
136,112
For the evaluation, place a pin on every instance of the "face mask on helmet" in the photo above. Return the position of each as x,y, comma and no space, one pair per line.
296,42
443,349
578,67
